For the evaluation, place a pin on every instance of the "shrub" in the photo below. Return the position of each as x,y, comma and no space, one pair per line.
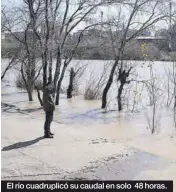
21,84
92,92
94,87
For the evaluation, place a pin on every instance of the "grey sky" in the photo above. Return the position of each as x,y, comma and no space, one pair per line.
106,10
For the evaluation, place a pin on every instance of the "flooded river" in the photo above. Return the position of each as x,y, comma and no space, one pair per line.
89,134
80,111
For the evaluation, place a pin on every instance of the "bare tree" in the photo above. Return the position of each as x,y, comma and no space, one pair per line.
123,80
119,32
71,82
67,16
10,65
27,46
134,92
76,73
171,87
14,57
155,94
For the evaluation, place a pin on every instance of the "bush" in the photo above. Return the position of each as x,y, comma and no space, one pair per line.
92,92
21,84
94,87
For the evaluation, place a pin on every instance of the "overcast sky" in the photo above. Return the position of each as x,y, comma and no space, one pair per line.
112,10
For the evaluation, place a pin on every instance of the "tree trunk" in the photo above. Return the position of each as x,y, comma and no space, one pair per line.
30,95
153,118
28,85
70,87
57,70
59,85
119,97
69,92
58,93
108,85
105,92
39,96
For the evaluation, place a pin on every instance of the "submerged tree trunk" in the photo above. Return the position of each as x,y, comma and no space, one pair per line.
58,93
38,95
105,92
28,83
70,87
108,85
122,78
30,96
119,97
59,84
30,93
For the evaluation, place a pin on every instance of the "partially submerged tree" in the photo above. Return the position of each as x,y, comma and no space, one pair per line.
76,73
155,94
26,46
71,82
119,28
123,80
13,59
11,64
67,16
170,72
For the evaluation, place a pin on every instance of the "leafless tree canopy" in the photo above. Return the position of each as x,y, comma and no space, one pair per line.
120,26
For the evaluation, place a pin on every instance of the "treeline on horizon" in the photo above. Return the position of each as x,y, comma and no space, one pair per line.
132,52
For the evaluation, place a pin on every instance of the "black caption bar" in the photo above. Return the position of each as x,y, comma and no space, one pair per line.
89,185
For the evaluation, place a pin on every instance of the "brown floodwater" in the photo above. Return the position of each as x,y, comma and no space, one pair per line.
125,128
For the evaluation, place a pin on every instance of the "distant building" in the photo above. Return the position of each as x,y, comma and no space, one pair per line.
150,38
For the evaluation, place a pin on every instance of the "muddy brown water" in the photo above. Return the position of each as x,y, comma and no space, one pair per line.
153,156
